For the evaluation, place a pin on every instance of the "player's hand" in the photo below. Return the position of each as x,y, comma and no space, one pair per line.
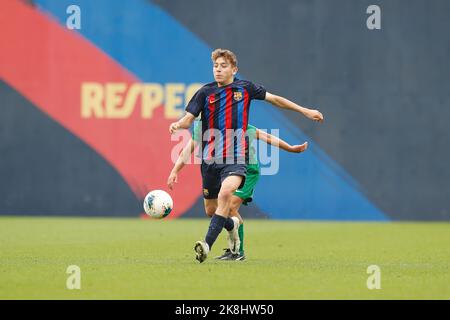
174,126
299,148
315,115
173,178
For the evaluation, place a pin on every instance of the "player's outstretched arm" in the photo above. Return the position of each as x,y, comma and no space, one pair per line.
287,104
280,143
183,123
183,158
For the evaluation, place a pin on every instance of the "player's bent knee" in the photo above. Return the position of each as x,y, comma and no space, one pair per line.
210,207
234,212
209,213
210,210
225,195
235,204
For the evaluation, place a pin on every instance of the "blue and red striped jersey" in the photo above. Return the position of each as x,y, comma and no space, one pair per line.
224,114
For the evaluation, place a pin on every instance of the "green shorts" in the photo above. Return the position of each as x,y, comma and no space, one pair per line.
246,192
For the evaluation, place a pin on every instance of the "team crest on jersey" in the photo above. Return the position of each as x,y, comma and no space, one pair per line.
205,192
238,96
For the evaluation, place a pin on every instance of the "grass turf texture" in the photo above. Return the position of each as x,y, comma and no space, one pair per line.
147,259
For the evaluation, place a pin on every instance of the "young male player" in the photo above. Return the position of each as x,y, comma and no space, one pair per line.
240,196
224,107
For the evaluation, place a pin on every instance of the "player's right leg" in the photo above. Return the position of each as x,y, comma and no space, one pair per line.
211,188
210,206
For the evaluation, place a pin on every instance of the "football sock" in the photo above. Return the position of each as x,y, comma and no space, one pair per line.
229,224
215,228
241,237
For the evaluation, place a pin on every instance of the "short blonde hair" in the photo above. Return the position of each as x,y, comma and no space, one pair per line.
225,53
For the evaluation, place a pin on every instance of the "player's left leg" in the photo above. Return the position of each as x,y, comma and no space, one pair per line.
241,196
210,209
221,219
234,212
232,177
237,170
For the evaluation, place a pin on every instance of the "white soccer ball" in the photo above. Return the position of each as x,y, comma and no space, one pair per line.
158,204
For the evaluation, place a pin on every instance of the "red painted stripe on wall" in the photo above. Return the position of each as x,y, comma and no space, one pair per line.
47,63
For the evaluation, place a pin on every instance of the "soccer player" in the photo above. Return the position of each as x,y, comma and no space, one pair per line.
224,107
240,196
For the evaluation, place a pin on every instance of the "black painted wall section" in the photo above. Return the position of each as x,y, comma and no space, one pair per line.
45,170
385,93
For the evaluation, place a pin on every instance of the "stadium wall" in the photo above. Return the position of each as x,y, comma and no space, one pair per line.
84,118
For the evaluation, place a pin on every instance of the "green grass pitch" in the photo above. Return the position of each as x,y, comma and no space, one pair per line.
147,259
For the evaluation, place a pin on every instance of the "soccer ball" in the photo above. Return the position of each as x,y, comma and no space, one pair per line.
158,204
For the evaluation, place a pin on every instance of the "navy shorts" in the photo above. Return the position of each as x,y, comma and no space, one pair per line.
213,175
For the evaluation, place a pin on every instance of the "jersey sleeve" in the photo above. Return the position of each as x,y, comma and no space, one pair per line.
256,91
197,102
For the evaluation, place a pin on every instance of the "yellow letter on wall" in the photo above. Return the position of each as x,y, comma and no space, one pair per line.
152,97
114,100
91,100
173,100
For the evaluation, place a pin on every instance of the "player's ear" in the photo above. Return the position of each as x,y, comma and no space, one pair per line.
235,70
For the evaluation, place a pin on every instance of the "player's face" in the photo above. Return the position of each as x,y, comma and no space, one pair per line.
223,71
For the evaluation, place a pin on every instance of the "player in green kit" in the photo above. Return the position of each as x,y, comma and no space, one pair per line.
243,195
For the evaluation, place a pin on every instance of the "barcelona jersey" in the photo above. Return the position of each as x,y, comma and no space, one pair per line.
224,116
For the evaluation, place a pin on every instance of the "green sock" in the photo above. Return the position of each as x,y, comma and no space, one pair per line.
241,237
